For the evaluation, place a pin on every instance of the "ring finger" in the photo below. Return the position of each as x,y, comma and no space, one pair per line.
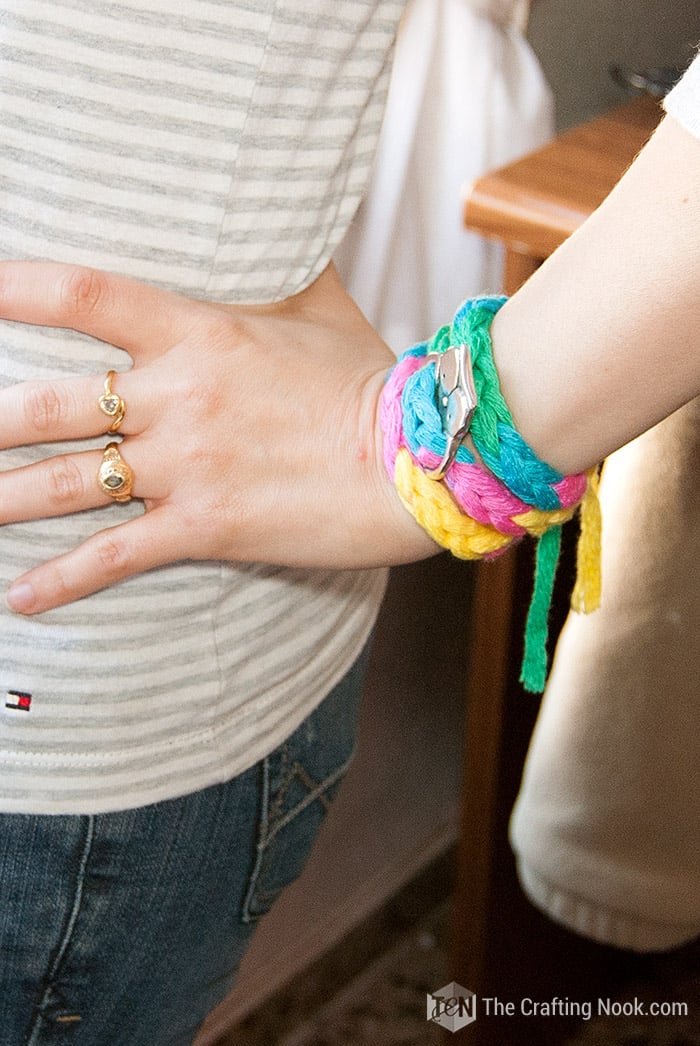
70,483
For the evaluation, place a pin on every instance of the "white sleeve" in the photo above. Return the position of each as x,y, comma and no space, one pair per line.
683,102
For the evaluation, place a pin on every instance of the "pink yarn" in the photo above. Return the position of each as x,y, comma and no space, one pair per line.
391,413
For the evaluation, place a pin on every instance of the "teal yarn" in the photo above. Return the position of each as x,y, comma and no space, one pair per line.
502,448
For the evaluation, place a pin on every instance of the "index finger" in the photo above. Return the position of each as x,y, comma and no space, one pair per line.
131,315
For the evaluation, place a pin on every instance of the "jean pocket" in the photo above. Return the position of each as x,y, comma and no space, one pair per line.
300,779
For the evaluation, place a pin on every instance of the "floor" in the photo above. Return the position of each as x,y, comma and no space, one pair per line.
372,989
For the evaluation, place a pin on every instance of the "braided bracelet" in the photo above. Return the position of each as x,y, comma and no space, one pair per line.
477,508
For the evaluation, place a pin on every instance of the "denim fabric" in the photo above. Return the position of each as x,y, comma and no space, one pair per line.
125,929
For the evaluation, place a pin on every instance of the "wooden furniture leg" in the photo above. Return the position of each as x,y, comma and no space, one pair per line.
487,687
518,266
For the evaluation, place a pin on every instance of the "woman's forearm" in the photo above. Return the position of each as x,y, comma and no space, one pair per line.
602,342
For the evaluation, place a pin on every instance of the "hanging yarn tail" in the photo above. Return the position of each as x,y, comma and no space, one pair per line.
585,597
533,671
586,594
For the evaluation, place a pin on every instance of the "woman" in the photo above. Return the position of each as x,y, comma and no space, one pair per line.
250,439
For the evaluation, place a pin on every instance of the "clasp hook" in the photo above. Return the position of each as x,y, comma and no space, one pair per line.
456,400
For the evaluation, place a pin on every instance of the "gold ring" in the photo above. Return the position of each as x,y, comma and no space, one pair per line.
111,404
115,476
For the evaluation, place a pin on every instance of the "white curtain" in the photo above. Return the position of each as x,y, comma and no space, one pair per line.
466,95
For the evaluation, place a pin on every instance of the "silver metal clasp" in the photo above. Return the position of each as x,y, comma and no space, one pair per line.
456,400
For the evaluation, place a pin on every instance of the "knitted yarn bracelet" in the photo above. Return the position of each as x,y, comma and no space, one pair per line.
478,508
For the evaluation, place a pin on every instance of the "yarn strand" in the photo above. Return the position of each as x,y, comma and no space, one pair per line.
533,672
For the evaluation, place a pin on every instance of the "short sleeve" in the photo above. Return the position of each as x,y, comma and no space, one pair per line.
683,101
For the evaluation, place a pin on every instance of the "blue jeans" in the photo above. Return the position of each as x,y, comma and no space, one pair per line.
126,929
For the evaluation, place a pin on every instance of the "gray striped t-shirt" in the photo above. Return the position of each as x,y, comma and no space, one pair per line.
217,148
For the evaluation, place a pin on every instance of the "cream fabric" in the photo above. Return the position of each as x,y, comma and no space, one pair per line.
606,825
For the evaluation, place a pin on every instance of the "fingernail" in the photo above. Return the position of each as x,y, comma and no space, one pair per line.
20,598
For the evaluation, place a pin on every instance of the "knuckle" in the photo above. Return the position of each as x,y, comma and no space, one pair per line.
112,555
65,482
201,522
43,407
204,401
83,291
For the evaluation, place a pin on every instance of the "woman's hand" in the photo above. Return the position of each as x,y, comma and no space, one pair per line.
252,432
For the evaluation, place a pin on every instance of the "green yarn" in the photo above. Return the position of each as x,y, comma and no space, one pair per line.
533,673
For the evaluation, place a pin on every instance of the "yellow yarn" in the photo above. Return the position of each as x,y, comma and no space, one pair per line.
586,594
432,507
537,521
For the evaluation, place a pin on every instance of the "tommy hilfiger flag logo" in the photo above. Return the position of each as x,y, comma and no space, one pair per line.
18,701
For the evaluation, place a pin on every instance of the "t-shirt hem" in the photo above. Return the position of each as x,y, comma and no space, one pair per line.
600,923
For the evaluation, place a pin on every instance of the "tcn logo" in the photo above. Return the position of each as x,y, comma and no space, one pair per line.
452,1007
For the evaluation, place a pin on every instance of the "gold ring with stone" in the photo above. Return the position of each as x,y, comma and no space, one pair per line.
115,477
111,404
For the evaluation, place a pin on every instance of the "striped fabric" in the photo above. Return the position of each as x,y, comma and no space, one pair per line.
217,148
